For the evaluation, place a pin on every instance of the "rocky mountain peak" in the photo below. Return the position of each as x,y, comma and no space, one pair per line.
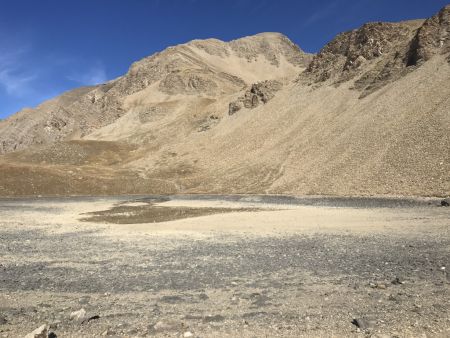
200,68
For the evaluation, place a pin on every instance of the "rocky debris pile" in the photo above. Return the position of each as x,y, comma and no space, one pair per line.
208,123
261,92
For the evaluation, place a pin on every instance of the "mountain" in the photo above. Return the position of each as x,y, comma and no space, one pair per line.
206,69
368,115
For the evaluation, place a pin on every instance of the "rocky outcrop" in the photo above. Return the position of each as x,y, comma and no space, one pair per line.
379,53
431,39
259,93
371,56
348,52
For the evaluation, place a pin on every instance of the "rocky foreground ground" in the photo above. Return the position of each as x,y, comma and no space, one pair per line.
279,270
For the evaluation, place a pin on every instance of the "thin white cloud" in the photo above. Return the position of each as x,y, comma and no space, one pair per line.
321,14
14,78
93,76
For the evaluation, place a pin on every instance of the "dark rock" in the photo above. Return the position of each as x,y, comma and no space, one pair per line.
445,202
233,108
3,320
397,281
364,323
87,320
52,334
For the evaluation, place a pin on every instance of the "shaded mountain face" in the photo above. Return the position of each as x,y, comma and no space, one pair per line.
368,115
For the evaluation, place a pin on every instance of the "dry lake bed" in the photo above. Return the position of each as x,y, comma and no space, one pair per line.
229,266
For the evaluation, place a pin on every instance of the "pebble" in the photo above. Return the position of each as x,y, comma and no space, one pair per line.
188,334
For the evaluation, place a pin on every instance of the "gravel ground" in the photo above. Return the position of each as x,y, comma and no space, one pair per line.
381,283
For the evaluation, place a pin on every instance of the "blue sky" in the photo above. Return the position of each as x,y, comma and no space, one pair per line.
50,46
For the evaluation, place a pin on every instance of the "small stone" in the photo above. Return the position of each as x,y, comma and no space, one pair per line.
40,332
188,334
78,316
3,320
52,334
445,202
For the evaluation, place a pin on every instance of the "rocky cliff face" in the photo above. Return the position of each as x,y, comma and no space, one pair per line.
432,38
